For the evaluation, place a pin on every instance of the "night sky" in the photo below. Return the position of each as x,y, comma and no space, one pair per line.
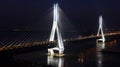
35,15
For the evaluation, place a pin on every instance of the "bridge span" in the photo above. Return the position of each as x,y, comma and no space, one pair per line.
13,44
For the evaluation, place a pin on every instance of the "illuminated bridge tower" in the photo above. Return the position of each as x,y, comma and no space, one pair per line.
55,29
100,30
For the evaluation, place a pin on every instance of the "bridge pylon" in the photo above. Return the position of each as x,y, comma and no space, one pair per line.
55,29
100,31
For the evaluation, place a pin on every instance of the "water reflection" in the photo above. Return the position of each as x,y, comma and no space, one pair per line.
111,44
81,58
83,55
99,47
55,61
99,59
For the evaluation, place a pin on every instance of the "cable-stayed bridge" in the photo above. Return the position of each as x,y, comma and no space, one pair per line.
30,41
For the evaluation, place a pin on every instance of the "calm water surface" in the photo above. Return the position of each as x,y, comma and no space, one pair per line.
84,54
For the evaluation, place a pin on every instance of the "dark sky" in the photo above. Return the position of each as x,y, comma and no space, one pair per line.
35,14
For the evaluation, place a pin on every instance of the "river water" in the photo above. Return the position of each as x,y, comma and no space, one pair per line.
78,54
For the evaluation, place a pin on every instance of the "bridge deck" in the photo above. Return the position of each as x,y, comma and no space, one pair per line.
30,42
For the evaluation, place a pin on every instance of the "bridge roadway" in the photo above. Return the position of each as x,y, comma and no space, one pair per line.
15,44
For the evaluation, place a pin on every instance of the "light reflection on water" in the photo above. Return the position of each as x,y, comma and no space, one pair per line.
83,55
99,59
111,44
99,47
81,58
55,61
